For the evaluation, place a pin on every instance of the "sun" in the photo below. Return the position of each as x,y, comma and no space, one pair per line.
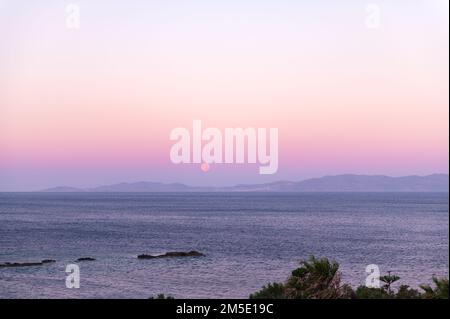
205,167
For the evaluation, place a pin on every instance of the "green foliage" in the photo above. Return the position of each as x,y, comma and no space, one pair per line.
439,292
162,296
314,279
389,280
271,291
363,292
321,279
404,292
348,292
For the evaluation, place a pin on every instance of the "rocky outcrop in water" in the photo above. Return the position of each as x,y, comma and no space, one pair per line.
27,264
192,253
86,259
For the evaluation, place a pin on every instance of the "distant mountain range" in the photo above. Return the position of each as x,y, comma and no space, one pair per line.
337,183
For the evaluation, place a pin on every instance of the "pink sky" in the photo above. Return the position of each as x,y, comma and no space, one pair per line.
96,105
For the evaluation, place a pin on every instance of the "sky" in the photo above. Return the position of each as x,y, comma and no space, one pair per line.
352,86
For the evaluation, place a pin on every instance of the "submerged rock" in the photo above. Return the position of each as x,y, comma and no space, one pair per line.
182,254
86,259
26,264
144,256
192,253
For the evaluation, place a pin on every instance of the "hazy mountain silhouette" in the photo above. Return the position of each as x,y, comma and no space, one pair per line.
64,189
337,183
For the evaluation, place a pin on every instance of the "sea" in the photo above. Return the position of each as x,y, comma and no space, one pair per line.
248,240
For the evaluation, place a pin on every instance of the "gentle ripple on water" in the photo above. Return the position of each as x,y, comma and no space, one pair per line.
249,239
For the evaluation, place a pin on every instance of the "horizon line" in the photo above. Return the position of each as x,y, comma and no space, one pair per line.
90,188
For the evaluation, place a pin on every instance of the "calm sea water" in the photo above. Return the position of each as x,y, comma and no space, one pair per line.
249,239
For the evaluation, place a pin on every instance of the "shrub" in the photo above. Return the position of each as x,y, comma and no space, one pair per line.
271,291
314,279
321,279
363,292
440,292
404,292
162,296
